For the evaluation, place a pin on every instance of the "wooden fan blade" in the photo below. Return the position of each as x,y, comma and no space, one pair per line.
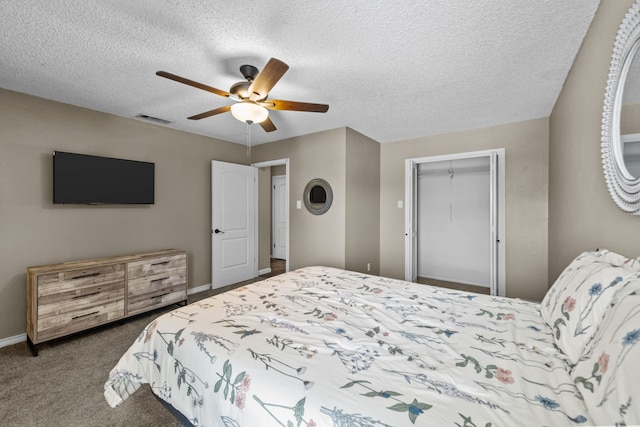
192,83
210,113
268,125
267,79
279,104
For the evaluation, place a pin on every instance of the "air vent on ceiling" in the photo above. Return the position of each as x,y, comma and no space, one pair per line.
153,119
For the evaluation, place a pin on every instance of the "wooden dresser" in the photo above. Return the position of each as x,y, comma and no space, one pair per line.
74,296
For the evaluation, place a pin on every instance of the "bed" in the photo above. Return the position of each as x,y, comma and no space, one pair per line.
321,346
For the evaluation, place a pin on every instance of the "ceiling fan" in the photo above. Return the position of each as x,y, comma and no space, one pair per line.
251,95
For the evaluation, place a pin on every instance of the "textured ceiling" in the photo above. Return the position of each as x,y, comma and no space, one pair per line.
390,70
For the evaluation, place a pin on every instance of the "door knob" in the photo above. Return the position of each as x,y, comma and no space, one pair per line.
218,231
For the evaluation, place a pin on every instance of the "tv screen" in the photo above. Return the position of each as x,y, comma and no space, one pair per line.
85,179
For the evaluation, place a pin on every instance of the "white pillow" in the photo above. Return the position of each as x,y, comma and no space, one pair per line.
577,301
608,374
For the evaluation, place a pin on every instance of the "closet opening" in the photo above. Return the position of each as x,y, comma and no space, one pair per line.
454,221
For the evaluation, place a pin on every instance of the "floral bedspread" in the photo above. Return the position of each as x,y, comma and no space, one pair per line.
326,347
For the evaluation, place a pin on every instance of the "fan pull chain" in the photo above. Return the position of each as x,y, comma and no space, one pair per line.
248,139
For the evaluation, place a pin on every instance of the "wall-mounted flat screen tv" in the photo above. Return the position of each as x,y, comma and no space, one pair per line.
86,179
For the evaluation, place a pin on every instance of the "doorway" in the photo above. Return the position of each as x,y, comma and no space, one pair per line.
278,217
454,220
274,230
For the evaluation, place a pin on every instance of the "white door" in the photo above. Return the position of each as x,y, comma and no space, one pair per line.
233,223
279,216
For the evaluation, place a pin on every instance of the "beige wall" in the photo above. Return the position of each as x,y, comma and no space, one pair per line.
278,170
314,239
526,185
363,203
582,214
33,231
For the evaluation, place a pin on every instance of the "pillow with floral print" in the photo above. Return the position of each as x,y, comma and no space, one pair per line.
577,301
608,374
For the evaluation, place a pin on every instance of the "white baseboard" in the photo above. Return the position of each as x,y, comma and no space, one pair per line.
198,289
264,271
4,342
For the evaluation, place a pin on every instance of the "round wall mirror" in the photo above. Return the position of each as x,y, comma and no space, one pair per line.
318,196
620,122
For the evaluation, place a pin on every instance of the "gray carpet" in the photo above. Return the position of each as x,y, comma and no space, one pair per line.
63,386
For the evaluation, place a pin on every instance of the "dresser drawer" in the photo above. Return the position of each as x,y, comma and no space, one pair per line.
156,298
80,299
155,266
62,323
156,282
78,280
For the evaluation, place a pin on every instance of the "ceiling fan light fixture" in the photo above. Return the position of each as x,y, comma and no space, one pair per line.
249,112
251,95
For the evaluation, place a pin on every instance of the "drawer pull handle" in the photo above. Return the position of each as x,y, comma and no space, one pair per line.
85,315
160,279
160,263
87,295
160,296
82,276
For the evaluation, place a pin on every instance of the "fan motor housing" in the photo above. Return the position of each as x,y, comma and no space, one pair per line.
240,89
